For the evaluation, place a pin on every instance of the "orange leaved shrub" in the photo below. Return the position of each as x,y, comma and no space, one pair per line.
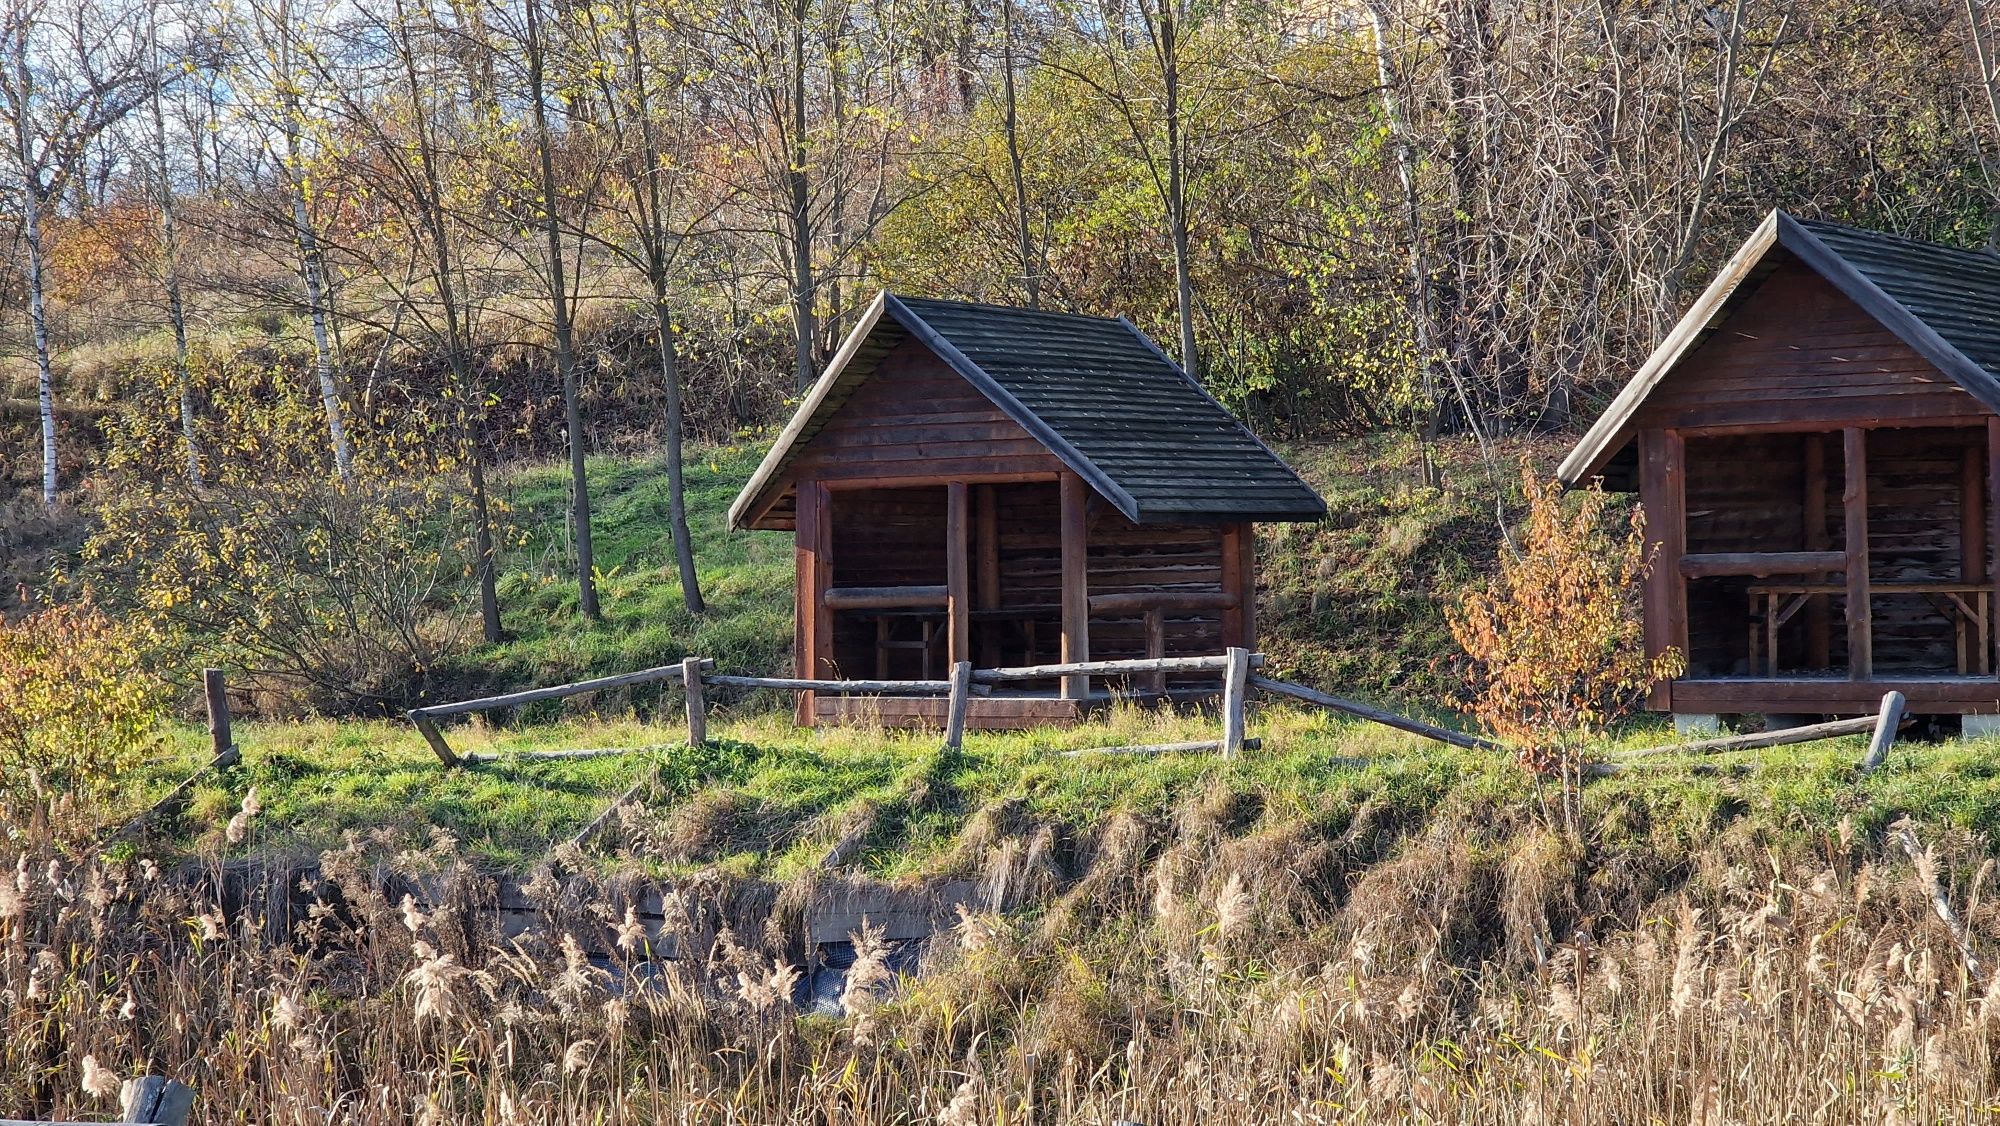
1555,640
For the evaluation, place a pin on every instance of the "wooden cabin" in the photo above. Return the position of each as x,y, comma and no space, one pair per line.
1818,452
1012,487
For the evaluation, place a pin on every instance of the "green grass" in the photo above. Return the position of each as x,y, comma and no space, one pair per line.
1352,604
746,579
769,800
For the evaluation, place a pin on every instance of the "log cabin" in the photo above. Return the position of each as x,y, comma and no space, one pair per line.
1817,450
1012,487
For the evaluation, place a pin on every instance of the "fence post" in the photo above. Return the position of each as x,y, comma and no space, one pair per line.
959,701
1886,723
428,728
1235,682
219,738
697,708
150,1098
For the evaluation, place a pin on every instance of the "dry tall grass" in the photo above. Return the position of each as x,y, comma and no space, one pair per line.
1224,967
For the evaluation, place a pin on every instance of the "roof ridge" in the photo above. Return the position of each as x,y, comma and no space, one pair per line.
1896,236
1014,310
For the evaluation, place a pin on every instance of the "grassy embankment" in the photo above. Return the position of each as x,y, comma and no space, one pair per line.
1352,605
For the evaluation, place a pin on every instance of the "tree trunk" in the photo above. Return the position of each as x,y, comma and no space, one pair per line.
31,233
1177,215
676,474
579,483
170,250
1031,275
311,269
803,327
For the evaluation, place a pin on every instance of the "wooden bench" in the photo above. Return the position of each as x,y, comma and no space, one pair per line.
1969,605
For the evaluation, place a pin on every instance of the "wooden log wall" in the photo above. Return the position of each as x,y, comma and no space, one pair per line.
1749,493
1799,351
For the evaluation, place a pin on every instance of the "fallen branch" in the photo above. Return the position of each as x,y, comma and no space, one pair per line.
1927,876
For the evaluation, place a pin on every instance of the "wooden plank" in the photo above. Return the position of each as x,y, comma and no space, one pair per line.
1373,714
958,573
815,548
959,700
155,1099
1217,663
1819,623
933,477
886,597
1141,601
1820,424
983,713
1235,685
1760,564
1854,503
532,695
829,685
1075,582
1196,747
1945,695
1232,579
986,504
1779,738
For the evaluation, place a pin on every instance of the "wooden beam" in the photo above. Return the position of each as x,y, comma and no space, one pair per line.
1819,624
1854,506
553,691
1760,564
986,547
1075,582
1662,488
1235,693
958,573
1140,601
1993,532
1373,714
959,701
1133,665
814,658
1236,617
886,597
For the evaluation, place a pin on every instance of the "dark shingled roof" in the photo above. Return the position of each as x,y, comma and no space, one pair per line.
1942,301
1955,292
1094,390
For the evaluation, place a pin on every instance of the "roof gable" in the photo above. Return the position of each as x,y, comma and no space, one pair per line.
1092,390
1930,297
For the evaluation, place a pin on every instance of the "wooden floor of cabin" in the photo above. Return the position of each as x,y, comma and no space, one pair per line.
1834,695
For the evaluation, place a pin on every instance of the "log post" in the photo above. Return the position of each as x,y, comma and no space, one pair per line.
1819,624
150,1098
1990,632
697,707
986,541
1075,583
959,702
1235,685
814,539
221,743
1854,504
1156,647
428,728
1886,722
957,574
1662,492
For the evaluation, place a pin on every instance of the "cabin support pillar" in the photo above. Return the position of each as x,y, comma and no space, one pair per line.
1239,578
957,574
1993,537
1075,582
1854,503
1819,618
813,636
1662,492
986,509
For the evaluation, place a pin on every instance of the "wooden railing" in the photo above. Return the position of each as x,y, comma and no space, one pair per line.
1234,666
